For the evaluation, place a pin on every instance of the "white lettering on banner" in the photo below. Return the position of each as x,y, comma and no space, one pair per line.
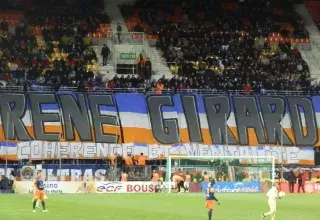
64,173
125,187
74,174
51,150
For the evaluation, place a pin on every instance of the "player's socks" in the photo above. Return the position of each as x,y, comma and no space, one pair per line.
43,205
34,205
210,214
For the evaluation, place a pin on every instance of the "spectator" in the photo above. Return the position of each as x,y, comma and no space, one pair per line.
148,69
141,160
119,32
105,52
159,87
292,180
301,181
128,160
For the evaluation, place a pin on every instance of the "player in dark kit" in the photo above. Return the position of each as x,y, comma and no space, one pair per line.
210,198
39,192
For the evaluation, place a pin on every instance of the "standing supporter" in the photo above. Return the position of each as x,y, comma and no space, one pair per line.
159,87
128,160
119,32
105,52
292,180
141,160
148,69
301,181
119,164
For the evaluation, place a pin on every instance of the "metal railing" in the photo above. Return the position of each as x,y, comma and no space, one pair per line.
164,91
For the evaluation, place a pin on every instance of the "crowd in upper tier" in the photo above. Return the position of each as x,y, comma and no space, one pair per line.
221,44
48,45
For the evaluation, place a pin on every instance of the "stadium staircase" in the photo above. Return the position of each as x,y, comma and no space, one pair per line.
159,64
312,57
108,71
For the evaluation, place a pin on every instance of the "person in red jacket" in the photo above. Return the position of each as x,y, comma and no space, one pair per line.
301,181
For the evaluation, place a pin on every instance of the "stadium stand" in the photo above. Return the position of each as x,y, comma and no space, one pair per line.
226,46
218,45
48,44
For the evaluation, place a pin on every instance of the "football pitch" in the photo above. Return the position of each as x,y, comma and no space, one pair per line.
157,207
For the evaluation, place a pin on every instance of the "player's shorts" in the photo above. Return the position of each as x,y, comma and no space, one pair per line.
210,204
187,184
40,195
272,205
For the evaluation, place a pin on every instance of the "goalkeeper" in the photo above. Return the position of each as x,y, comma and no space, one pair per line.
273,195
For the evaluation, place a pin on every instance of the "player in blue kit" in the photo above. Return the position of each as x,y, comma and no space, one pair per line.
210,198
40,192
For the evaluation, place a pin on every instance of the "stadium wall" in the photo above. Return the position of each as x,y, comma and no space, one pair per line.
93,125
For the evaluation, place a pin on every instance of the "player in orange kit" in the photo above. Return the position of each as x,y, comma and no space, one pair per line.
210,199
39,192
179,182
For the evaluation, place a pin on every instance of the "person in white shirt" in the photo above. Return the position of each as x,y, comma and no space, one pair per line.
273,195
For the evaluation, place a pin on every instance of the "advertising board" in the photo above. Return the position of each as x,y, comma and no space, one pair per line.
125,187
55,187
244,187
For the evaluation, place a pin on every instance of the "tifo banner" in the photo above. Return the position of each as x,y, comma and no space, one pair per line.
67,173
55,187
126,187
245,187
31,124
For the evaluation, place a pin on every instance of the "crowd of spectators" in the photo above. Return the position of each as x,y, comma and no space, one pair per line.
49,46
206,46
212,48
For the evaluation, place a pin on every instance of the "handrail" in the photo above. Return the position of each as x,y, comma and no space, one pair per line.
165,91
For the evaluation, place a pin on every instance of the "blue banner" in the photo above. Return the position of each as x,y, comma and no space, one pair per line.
72,172
245,187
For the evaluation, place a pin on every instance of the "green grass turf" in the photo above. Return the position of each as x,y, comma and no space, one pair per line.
157,207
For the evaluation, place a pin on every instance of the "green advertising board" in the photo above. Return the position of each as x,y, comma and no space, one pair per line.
127,56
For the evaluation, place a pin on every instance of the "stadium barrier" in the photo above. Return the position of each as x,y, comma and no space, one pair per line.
63,187
164,91
73,187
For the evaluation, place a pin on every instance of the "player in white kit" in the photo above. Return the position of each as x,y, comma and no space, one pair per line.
273,195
